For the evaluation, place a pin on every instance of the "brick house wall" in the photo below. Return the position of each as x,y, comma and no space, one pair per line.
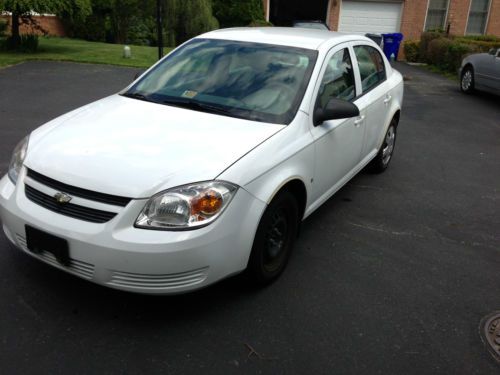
51,24
458,12
413,18
334,14
414,14
493,27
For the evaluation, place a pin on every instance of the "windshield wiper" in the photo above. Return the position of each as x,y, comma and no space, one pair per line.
200,106
136,95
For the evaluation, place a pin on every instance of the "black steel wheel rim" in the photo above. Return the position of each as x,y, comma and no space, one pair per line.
276,240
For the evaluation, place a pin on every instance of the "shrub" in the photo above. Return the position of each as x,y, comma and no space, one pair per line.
142,31
478,45
447,53
231,13
260,23
425,39
437,51
3,28
186,19
28,43
3,31
456,52
412,50
482,38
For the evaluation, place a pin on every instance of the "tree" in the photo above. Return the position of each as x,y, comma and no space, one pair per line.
115,21
231,13
186,19
24,9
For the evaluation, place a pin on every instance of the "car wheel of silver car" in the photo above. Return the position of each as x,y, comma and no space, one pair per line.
467,80
274,239
384,156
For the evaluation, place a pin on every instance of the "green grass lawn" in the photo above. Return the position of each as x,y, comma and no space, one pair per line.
64,49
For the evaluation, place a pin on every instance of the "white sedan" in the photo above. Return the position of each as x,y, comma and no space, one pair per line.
206,165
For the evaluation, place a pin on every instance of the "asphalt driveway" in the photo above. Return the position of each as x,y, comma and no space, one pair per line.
391,276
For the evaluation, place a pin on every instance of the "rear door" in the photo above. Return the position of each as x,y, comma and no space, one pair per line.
375,95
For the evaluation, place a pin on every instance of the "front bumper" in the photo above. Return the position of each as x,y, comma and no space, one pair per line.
118,255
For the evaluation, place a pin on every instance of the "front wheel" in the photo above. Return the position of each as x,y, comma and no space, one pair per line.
467,80
274,239
384,156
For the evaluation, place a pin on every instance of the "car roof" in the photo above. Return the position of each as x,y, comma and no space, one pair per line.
286,36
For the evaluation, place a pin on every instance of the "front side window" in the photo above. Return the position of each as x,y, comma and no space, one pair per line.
478,15
371,67
254,81
436,15
338,80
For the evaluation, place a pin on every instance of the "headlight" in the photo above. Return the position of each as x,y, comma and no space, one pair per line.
186,207
17,160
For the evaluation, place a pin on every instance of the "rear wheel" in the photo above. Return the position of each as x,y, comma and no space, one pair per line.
467,80
384,156
274,239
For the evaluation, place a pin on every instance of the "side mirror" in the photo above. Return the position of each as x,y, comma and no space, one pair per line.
492,51
335,109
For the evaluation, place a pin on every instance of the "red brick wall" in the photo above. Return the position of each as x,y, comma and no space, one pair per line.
51,24
413,18
493,27
458,13
333,14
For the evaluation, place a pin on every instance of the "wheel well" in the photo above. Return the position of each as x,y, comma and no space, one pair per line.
396,117
468,65
298,189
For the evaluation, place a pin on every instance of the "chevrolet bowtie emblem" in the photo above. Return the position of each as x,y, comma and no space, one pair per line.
62,198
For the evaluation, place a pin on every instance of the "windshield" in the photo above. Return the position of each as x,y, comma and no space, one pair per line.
254,81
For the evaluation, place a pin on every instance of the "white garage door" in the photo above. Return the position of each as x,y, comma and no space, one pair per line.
370,17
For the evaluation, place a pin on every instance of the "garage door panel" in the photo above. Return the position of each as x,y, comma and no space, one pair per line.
370,17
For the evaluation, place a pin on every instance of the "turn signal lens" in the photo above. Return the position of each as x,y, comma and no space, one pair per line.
208,204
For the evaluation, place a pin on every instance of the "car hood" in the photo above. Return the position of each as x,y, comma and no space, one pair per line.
133,148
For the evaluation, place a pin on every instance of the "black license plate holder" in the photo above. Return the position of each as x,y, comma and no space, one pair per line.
38,241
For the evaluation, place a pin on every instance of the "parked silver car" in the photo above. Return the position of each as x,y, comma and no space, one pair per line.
481,71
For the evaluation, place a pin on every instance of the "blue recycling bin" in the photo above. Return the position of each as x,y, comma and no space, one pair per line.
391,44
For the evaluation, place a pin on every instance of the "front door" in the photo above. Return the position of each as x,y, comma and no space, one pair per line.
338,143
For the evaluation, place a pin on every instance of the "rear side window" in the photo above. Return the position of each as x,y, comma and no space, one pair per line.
371,67
338,81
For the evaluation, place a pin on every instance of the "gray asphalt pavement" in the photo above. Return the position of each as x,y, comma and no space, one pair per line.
391,276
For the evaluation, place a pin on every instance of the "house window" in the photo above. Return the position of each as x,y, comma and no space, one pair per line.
436,14
478,15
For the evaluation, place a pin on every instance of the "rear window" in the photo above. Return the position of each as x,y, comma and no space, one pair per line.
371,67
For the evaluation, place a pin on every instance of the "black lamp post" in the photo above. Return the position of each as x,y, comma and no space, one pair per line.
159,26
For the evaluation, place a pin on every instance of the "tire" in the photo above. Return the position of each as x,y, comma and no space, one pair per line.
467,80
380,163
274,240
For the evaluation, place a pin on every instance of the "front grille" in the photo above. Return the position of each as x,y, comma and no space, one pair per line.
68,209
79,192
78,267
167,281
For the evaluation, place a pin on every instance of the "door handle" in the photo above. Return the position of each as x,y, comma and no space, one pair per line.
359,120
387,99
